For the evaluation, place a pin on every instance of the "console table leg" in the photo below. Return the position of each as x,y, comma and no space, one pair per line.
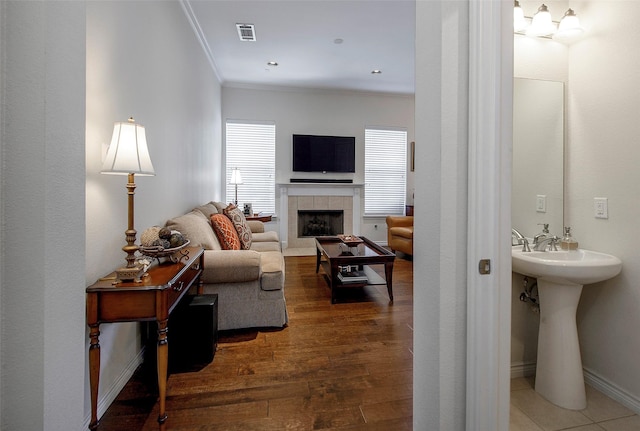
94,373
163,360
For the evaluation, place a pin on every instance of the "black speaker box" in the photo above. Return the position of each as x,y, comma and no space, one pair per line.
193,333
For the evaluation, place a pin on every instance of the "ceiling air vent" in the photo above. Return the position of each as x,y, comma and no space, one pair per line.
246,32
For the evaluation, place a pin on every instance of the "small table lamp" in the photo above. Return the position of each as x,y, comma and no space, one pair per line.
236,178
128,155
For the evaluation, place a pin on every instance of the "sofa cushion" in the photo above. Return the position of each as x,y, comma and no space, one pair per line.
225,232
220,206
266,246
231,266
240,223
256,226
272,269
196,228
269,236
207,209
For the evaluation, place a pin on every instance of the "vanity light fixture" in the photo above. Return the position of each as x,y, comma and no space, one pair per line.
541,24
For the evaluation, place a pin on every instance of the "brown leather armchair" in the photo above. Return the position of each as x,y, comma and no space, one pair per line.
400,234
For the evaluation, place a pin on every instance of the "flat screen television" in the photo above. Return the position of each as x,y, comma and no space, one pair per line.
314,153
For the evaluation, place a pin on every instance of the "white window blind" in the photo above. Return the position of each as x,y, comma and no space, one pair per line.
251,147
385,171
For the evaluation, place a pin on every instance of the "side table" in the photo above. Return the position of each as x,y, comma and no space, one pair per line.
263,218
151,299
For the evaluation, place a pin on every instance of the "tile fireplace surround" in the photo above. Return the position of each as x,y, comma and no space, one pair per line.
314,196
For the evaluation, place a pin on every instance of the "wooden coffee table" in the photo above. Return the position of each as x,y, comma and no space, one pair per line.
338,254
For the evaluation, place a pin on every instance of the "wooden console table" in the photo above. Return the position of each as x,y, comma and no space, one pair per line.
151,299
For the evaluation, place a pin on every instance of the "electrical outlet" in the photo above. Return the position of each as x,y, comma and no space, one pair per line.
541,203
601,207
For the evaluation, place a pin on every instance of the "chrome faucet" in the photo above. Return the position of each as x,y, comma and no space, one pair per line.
550,242
544,234
520,239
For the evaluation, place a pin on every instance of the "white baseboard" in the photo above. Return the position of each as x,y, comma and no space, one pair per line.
592,379
523,369
112,392
612,391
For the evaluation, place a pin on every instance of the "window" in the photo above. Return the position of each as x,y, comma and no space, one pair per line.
251,147
385,171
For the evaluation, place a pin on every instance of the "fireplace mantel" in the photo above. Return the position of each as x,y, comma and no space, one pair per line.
317,190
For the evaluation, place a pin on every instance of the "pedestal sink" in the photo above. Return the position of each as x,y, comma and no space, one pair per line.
561,276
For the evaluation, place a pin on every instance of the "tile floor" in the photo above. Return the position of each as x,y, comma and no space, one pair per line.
531,412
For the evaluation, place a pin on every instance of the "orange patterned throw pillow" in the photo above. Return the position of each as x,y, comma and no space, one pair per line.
240,222
225,231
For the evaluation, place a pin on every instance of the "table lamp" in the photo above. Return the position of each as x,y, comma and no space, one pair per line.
128,155
236,178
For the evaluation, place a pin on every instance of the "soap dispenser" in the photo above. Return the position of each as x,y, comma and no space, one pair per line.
568,242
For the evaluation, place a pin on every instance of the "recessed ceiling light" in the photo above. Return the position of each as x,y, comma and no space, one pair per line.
376,71
338,41
272,63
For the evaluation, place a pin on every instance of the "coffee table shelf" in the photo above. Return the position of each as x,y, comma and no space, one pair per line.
332,253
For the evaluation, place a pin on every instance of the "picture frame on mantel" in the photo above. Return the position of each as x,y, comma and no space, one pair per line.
248,209
413,156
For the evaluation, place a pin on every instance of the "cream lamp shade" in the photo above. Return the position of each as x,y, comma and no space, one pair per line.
128,152
236,176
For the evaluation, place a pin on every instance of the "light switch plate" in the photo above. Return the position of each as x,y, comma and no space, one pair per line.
541,203
601,207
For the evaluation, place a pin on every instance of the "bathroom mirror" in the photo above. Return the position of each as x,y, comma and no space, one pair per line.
538,156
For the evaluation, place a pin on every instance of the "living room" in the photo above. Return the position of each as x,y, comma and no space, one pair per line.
143,60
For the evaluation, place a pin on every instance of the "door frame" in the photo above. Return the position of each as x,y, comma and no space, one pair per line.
489,214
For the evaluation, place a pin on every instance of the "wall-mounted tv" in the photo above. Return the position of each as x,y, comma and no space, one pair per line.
313,153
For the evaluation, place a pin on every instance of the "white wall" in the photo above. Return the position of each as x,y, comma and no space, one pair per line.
43,280
322,112
603,156
143,60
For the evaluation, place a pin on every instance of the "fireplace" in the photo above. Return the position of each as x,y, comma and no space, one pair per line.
313,223
317,197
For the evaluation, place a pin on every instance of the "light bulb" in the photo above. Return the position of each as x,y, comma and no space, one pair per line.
519,23
541,25
569,28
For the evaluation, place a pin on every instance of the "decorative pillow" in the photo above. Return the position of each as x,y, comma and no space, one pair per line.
240,222
225,231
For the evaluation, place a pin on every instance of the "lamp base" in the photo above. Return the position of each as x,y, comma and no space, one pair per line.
129,274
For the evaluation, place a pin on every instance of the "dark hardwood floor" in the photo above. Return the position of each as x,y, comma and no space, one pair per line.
343,366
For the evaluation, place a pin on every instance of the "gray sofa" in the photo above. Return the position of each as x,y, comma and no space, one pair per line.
249,283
